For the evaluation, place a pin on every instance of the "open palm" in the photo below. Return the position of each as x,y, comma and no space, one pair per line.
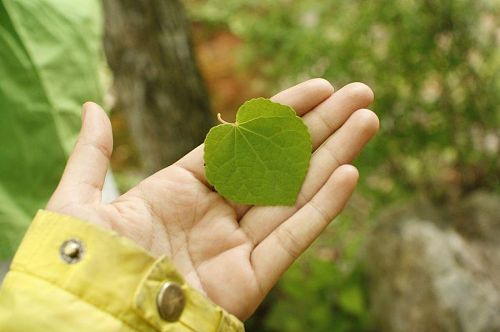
232,253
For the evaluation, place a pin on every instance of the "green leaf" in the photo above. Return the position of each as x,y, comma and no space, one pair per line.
51,57
263,158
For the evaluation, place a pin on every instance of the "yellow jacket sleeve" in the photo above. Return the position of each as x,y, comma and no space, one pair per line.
69,275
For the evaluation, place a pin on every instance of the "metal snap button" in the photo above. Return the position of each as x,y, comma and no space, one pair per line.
170,301
71,251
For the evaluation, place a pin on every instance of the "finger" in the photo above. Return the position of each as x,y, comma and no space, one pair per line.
272,257
331,114
302,98
86,168
340,148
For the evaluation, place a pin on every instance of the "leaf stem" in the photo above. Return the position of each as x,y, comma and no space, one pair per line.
222,120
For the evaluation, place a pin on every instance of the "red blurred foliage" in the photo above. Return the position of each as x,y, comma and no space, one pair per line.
217,52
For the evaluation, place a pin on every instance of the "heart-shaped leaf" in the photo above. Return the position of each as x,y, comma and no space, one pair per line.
263,158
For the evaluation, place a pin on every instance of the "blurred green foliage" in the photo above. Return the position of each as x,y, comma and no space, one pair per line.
325,290
434,67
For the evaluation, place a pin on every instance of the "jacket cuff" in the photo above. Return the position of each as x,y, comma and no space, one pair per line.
115,275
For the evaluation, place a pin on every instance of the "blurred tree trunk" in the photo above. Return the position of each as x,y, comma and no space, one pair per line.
156,80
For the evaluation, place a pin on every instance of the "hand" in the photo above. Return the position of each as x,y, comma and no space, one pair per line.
232,253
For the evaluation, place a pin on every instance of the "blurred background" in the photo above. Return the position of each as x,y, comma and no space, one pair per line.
417,248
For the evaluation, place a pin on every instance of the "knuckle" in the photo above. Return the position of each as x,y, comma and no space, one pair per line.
323,216
289,242
100,148
302,199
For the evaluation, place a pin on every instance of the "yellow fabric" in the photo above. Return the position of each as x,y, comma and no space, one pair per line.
112,288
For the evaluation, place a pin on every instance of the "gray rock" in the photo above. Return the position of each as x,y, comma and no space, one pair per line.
426,275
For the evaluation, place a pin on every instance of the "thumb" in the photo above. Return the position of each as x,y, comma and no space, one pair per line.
83,177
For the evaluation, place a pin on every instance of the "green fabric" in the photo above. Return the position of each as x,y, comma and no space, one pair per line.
50,56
